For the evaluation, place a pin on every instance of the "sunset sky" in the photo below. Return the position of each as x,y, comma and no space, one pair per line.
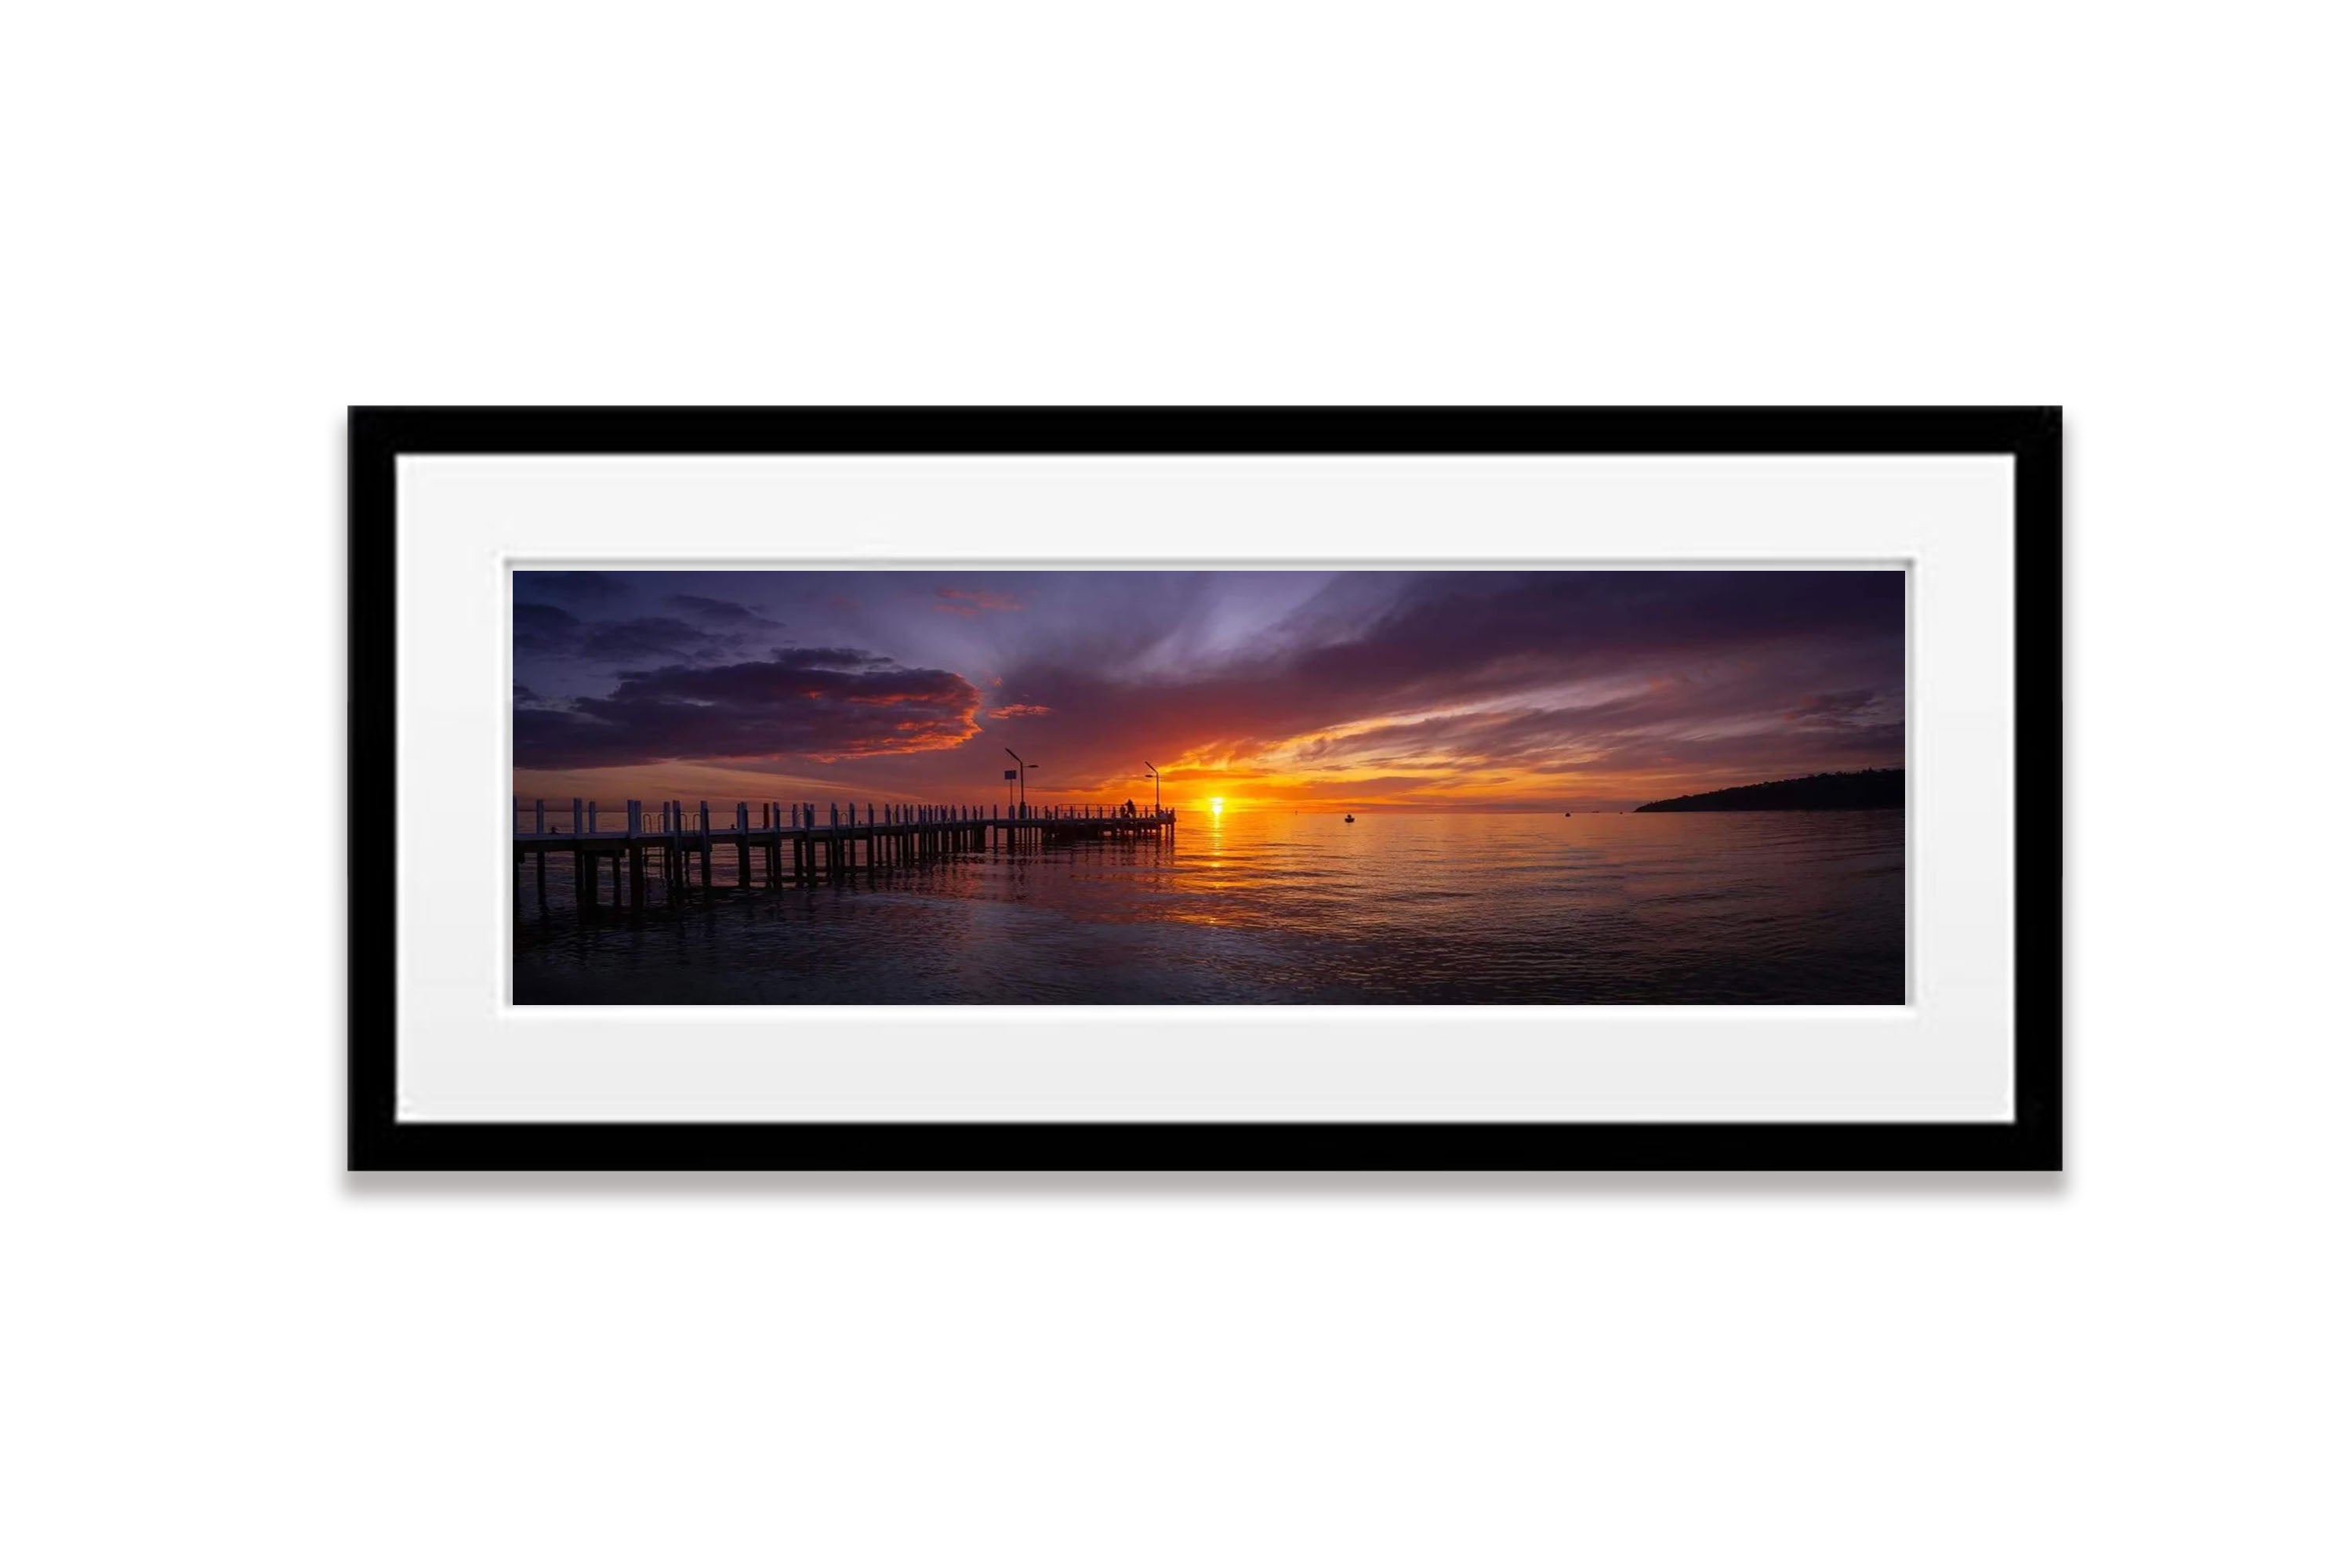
1338,691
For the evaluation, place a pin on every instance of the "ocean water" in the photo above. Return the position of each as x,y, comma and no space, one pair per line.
1669,908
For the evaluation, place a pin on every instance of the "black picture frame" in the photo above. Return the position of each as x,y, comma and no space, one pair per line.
379,1140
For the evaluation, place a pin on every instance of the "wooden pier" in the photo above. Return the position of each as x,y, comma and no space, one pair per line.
792,844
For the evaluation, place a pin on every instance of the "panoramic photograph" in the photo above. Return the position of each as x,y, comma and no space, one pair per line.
931,787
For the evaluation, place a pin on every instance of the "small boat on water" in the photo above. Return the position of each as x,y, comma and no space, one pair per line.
1350,817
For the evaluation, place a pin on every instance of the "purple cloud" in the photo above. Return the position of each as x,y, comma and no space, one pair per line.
821,703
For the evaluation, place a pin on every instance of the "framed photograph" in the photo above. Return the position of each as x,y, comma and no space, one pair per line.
1174,789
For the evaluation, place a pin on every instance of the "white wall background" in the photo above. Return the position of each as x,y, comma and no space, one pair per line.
226,222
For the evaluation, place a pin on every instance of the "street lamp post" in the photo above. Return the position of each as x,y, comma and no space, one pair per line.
1021,774
1155,787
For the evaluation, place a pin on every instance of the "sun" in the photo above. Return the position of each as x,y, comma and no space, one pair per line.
1217,805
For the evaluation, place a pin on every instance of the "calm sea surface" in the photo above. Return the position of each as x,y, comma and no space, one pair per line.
1783,907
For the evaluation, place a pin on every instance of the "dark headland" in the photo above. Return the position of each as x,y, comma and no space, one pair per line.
1873,789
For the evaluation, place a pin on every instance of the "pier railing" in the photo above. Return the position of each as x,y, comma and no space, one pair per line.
672,818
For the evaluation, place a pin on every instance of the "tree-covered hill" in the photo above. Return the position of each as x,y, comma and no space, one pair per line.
1873,789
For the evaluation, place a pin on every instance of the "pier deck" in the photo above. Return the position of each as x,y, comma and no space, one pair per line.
793,846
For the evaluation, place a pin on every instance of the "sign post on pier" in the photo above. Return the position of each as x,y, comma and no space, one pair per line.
1021,774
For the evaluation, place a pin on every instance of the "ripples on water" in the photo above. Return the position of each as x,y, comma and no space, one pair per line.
1748,907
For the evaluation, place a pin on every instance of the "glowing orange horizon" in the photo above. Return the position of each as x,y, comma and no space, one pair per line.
1230,791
